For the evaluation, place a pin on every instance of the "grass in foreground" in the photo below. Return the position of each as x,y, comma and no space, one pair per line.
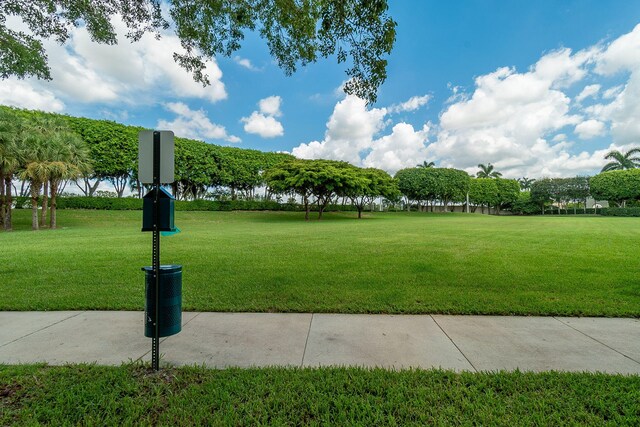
385,263
132,395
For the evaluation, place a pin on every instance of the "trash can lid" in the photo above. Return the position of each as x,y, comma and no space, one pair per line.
167,268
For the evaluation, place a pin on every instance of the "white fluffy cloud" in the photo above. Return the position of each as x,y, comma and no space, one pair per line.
590,129
524,123
509,116
264,122
193,124
622,56
265,126
587,92
519,121
351,136
244,62
411,104
132,73
18,93
270,106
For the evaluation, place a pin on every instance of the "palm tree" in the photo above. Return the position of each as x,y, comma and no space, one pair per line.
34,168
525,183
69,159
622,161
487,171
426,165
9,162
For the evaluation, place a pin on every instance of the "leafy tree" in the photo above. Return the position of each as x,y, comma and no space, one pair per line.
197,167
543,191
414,185
486,171
577,190
628,160
296,32
292,176
524,205
483,192
365,185
452,185
618,186
508,191
113,148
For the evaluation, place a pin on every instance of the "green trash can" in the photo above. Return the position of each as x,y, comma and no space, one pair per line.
170,301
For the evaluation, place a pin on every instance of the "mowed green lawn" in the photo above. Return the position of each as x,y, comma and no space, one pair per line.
384,263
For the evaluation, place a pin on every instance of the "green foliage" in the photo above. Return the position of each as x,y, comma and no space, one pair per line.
423,184
113,148
101,203
297,33
616,185
620,212
508,191
524,205
322,179
561,190
130,203
483,191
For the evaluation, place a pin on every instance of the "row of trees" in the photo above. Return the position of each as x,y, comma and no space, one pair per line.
325,181
42,152
561,191
199,167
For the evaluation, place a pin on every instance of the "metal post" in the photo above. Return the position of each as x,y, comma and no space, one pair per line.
155,341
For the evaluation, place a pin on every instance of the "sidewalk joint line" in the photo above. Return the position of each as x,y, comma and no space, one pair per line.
304,352
454,343
42,329
598,341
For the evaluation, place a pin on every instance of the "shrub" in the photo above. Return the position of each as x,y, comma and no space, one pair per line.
130,203
100,203
620,211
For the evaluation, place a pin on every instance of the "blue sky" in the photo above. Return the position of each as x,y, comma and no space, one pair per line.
541,88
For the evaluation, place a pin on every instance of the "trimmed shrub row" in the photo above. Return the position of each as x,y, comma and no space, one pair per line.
621,211
130,203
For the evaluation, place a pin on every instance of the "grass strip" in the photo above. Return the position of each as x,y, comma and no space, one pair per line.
134,395
384,263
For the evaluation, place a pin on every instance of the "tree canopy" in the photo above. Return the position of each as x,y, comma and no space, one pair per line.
297,32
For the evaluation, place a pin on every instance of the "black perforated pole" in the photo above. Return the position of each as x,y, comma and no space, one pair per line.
155,341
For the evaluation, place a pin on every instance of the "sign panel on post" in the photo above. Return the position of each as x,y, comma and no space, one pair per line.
145,156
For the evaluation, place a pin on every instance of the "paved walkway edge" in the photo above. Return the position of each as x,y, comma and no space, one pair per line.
218,340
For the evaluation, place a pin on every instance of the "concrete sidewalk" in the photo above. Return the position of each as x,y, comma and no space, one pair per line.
473,343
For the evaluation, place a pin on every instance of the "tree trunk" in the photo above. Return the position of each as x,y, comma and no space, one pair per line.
359,213
45,199
35,192
306,208
9,201
52,216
